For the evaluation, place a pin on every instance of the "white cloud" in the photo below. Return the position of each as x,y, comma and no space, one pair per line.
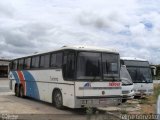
130,26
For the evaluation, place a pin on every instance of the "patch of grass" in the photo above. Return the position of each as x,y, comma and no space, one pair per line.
89,111
124,111
144,101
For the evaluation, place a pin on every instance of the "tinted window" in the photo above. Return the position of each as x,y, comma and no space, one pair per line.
44,62
27,63
69,65
88,65
140,74
35,62
136,63
56,60
14,64
20,64
11,65
110,64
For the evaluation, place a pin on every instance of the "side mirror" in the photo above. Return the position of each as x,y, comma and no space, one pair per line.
123,66
153,70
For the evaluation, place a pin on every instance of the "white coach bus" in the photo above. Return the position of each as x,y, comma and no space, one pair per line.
127,84
74,77
140,72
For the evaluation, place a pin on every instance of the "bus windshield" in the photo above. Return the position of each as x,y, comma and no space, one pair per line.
139,71
140,74
97,65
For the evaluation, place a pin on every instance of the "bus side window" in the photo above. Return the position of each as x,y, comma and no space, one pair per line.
11,65
35,62
69,65
20,64
27,63
15,65
44,61
56,60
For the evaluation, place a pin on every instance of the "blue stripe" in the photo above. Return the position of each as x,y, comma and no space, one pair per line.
16,76
31,85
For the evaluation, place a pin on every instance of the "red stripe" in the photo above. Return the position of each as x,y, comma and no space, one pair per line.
22,80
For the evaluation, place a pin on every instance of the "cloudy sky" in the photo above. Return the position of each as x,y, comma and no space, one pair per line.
132,27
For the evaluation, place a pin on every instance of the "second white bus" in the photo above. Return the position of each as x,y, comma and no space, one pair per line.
140,73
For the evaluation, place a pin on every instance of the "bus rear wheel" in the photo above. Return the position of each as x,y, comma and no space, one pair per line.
21,91
58,99
16,90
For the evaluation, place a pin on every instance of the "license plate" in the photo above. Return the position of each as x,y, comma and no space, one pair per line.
102,101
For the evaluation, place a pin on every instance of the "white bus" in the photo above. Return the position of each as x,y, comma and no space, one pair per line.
127,84
74,77
140,73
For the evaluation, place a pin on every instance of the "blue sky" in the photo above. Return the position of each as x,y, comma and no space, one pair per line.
132,27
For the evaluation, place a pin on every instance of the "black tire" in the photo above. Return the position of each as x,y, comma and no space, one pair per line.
58,99
17,90
21,91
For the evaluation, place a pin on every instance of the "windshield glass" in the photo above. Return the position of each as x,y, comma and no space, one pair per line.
110,65
140,74
88,65
125,76
97,66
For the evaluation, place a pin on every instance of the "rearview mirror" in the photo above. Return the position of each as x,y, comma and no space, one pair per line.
153,70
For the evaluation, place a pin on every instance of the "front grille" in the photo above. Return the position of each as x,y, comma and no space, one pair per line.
125,92
142,90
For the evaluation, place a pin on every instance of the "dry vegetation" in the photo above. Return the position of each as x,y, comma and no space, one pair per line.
148,104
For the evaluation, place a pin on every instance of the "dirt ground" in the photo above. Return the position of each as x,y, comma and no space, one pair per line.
146,105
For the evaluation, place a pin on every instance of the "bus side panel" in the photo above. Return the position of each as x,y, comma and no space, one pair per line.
47,81
13,77
68,94
40,85
12,81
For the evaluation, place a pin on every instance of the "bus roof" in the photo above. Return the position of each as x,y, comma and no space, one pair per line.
89,48
77,47
133,58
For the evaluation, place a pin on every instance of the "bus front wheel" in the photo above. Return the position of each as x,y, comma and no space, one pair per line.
58,99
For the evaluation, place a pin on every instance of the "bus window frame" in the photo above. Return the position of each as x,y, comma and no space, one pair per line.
18,65
56,67
75,66
25,68
44,67
101,69
35,68
15,67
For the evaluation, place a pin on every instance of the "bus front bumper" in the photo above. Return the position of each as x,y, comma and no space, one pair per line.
128,96
98,102
143,93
